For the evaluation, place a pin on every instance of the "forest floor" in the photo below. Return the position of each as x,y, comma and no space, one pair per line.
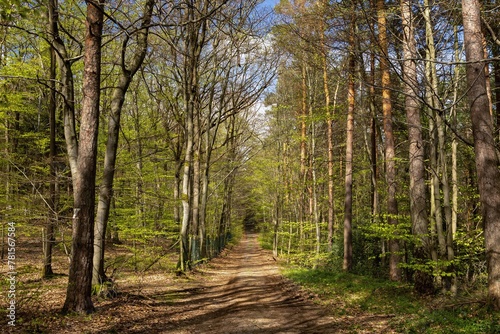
241,291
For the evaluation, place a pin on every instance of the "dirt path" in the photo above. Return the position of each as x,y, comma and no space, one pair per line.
239,292
245,294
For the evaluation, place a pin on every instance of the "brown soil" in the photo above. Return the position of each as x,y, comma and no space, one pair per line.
239,292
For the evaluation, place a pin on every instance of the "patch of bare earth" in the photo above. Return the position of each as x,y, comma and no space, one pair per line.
239,292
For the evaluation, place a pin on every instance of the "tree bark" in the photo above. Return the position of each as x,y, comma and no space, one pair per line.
329,134
117,100
351,98
392,204
67,87
195,41
486,157
78,297
49,239
418,196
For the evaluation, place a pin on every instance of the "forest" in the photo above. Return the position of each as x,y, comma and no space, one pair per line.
359,139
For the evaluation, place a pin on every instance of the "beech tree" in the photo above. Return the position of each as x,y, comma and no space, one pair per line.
129,65
78,297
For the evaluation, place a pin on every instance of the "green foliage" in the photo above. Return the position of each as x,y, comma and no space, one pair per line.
465,318
351,293
12,9
348,294
470,256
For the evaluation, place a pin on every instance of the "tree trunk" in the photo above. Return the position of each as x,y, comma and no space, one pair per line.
454,143
373,143
329,139
49,239
195,204
347,265
67,87
392,204
303,139
78,297
315,215
185,191
117,100
486,157
418,196
496,71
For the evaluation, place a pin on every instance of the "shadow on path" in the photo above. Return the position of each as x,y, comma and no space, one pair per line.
241,292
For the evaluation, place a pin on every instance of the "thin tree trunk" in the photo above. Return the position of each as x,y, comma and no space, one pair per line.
373,143
177,151
351,98
496,71
436,130
303,138
329,138
454,143
195,40
392,204
195,252
117,100
67,87
487,163
418,196
186,192
78,297
49,239
315,195
139,184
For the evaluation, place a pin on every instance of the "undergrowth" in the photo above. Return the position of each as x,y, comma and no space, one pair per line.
350,295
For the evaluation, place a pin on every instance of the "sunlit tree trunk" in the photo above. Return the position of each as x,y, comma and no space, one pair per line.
392,204
329,132
351,98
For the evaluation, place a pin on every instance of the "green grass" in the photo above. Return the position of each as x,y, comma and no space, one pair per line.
349,295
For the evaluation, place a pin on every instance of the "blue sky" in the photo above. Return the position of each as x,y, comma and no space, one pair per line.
270,3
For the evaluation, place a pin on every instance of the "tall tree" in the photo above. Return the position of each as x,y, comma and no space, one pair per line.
78,297
196,16
349,154
487,163
329,124
53,216
390,156
127,72
418,196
